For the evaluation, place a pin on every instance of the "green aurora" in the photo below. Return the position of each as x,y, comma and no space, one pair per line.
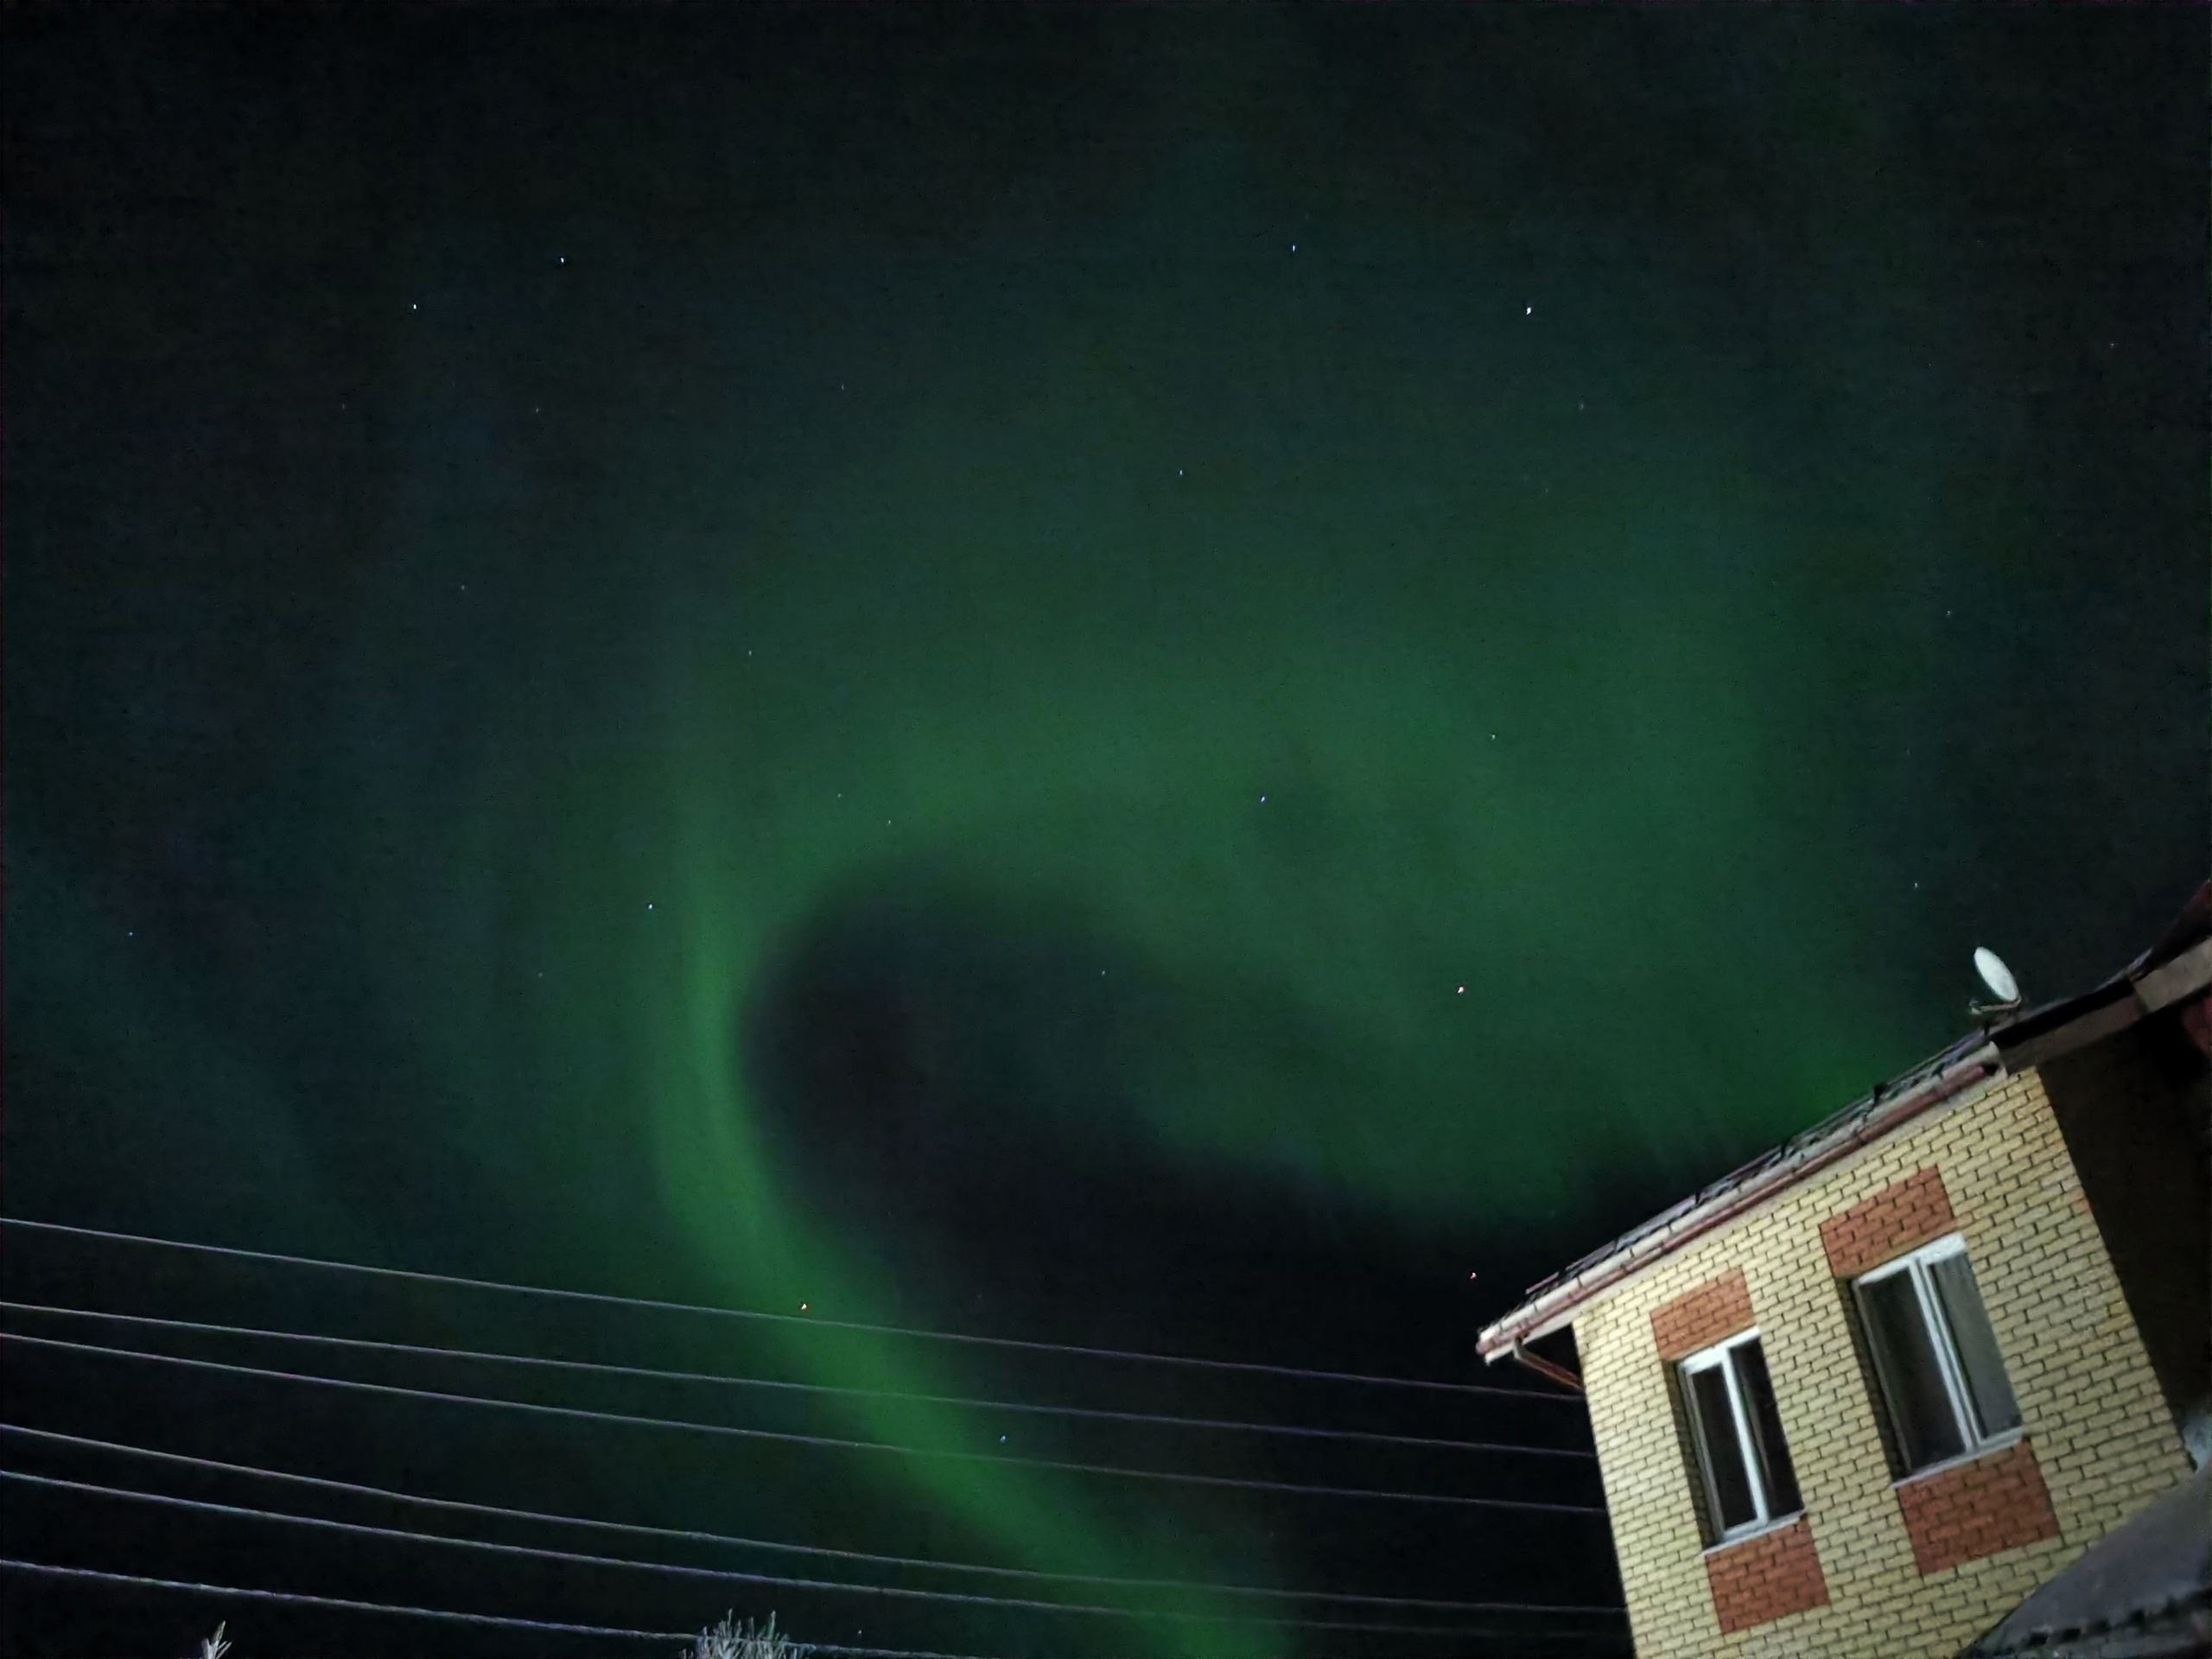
1400,689
1453,671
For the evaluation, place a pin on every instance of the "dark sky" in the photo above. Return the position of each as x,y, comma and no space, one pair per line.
1151,677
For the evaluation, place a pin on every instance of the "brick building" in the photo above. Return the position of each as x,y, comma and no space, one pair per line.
1864,1395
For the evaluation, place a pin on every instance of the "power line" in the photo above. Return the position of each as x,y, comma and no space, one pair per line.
292,1597
691,1536
586,1414
791,1318
363,1606
1363,1435
901,1593
296,1598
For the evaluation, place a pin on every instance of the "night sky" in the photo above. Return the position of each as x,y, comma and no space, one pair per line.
1152,677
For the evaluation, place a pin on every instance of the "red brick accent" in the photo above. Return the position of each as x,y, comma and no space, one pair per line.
1766,1577
1902,1215
1974,1509
1698,1319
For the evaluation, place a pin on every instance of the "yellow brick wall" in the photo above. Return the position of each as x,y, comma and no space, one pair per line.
2089,1404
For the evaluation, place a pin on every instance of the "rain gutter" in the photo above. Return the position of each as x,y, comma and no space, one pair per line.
1547,1311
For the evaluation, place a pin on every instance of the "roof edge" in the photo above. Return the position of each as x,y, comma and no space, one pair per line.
1944,1076
2177,968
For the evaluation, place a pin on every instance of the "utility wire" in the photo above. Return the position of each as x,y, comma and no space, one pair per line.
691,1536
899,1592
791,1318
583,1414
1363,1435
50,1569
295,1598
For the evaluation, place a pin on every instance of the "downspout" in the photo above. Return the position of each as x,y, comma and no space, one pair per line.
1543,1367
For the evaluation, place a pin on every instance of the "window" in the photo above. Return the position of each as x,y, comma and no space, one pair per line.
1935,1356
1741,1455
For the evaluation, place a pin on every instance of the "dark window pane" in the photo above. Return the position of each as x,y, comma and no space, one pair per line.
1716,1430
1976,1343
1920,1409
1773,1451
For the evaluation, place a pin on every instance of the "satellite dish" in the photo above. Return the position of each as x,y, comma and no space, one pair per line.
1995,974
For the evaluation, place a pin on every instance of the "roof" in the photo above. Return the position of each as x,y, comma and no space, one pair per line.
1552,1302
2143,1591
2177,966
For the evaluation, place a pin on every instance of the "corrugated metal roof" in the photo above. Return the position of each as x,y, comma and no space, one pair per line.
2143,1591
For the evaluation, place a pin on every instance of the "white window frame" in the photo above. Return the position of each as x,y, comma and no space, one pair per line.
1944,1343
1763,1516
